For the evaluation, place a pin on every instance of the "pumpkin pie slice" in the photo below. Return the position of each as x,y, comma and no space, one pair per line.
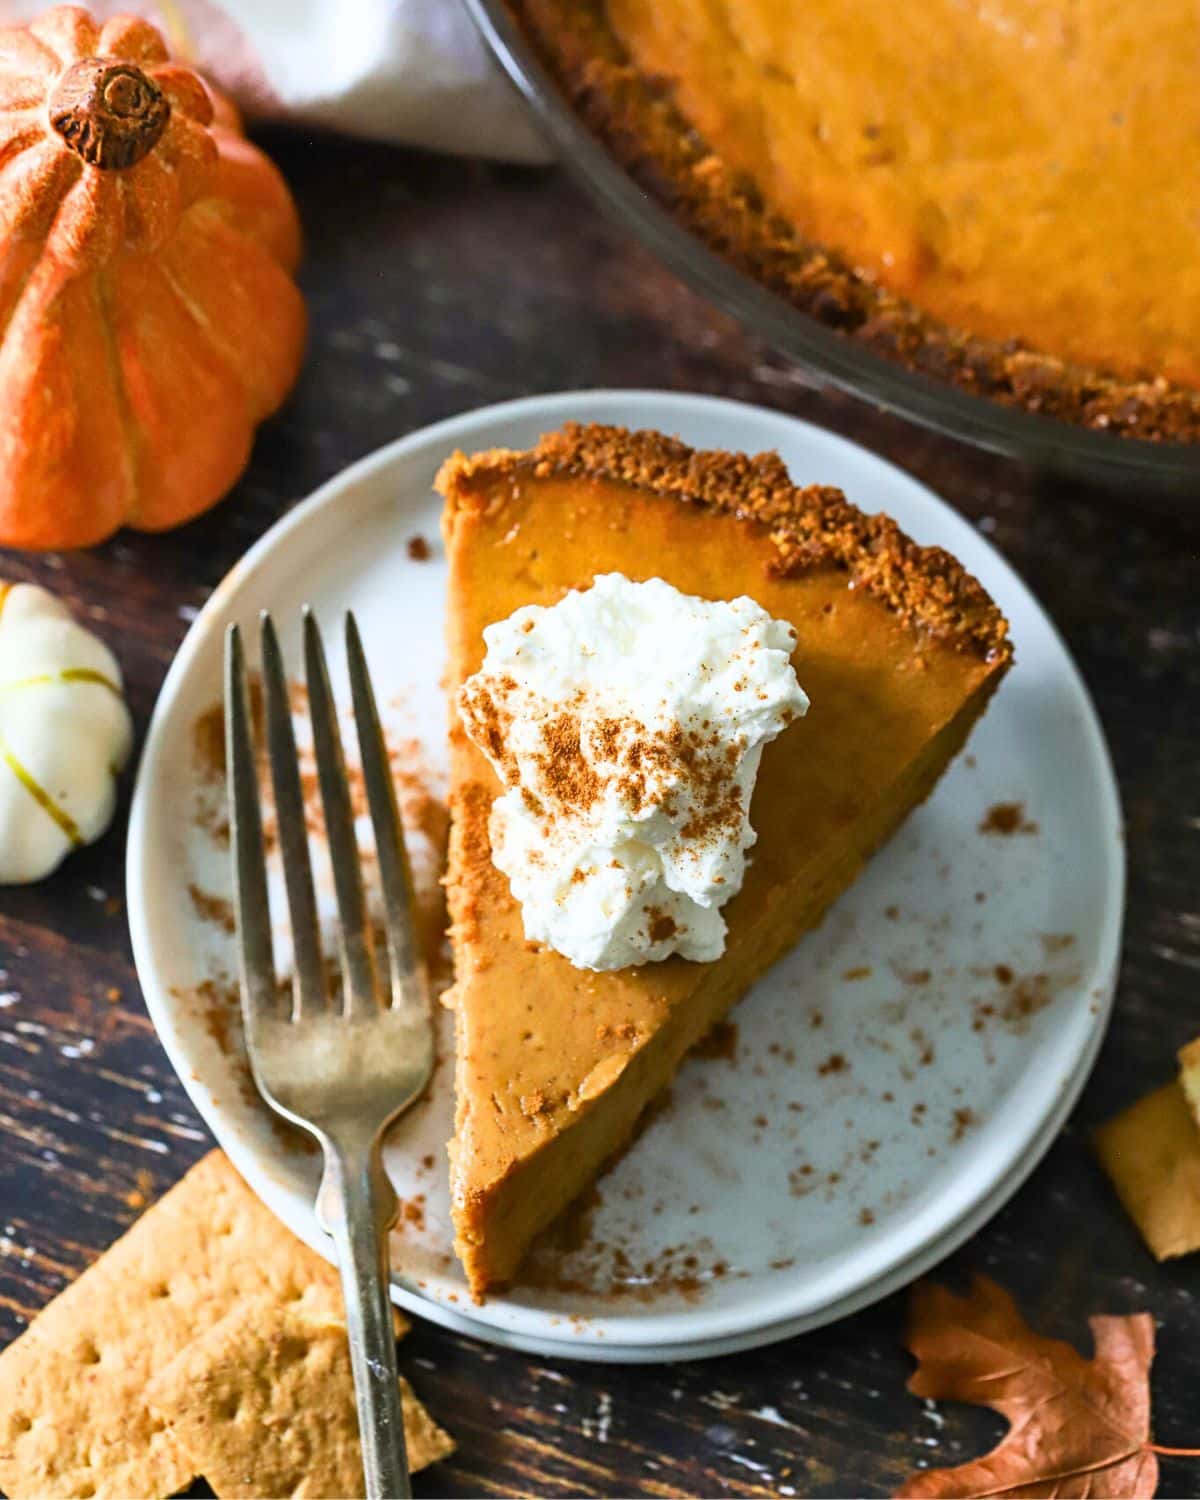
899,650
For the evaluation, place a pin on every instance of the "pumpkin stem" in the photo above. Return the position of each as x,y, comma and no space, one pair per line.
108,112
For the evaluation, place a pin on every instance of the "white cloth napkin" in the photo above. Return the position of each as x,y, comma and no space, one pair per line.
411,71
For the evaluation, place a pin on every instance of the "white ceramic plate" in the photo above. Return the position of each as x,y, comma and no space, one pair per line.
895,1079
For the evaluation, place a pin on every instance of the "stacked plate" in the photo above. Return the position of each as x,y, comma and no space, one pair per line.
882,1092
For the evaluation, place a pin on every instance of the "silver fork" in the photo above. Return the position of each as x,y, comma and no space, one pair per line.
342,1071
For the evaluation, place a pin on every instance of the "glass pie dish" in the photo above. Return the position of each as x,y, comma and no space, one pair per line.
1167,473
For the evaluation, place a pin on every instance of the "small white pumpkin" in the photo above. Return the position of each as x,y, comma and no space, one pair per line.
65,733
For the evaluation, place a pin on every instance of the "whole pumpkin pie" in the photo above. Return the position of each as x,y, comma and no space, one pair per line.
899,650
991,194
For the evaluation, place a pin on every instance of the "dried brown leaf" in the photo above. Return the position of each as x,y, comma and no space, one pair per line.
1077,1427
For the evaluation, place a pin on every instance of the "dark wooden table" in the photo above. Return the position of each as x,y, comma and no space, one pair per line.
436,286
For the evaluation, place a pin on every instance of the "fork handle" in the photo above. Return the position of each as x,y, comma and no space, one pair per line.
357,1207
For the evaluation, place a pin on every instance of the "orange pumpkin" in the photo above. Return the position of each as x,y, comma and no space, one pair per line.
148,316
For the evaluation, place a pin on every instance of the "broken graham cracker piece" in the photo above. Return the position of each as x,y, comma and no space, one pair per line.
73,1413
1189,1077
1152,1154
263,1403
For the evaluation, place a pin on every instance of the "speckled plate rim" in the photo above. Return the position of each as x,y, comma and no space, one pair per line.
642,1336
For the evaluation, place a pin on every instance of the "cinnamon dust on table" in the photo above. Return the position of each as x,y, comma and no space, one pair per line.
137,1197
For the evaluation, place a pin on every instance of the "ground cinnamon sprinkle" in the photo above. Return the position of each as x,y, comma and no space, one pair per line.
208,732
565,771
581,756
1007,818
606,735
424,814
491,723
211,908
208,739
721,1042
662,925
695,760
411,1211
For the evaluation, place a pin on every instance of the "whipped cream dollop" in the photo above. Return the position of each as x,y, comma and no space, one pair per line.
627,723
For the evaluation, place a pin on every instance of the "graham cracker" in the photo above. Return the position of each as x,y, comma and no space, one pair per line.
1152,1154
73,1414
1189,1077
263,1404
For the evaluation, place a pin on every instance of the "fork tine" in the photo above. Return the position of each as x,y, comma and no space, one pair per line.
407,963
308,987
354,938
255,957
